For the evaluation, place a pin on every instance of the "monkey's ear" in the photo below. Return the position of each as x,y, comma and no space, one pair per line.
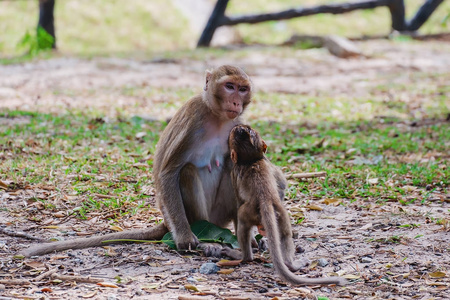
264,147
208,78
233,156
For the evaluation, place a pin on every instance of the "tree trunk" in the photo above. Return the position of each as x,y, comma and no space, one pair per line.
46,20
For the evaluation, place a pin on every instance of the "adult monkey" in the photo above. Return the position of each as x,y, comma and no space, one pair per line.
191,166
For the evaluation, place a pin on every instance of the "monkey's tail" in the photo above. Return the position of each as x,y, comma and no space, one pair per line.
152,233
271,227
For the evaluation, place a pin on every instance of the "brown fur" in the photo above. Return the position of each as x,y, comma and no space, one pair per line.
185,191
191,165
257,185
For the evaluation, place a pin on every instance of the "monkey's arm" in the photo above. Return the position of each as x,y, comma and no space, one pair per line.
152,233
173,154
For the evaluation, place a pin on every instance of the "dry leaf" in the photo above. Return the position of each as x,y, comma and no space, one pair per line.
298,215
116,228
107,284
261,230
372,180
46,290
332,201
435,283
90,295
437,274
228,263
296,208
110,251
35,264
303,291
409,188
140,165
141,134
50,227
350,276
313,264
367,226
56,257
3,185
314,207
59,214
408,285
191,287
226,271
152,286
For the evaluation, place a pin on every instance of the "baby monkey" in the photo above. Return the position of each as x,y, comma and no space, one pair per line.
259,187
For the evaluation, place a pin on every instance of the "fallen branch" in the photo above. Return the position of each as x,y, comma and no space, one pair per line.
20,234
77,278
308,175
14,282
45,274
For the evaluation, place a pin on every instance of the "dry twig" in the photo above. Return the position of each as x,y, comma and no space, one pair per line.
45,274
77,278
14,282
308,175
20,234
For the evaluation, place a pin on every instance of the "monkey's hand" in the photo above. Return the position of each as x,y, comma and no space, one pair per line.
263,244
187,242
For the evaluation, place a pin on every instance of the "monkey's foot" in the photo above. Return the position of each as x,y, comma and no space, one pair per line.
232,253
211,249
297,264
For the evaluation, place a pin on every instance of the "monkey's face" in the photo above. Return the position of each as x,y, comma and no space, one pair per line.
236,95
229,90
246,145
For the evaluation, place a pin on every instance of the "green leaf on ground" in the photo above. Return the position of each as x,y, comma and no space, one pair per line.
206,232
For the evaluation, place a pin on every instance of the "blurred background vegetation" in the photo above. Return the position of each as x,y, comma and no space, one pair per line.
115,27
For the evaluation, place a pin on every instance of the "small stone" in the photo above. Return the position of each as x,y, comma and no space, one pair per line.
366,259
209,268
322,262
192,280
112,297
299,249
263,290
341,47
139,292
3,245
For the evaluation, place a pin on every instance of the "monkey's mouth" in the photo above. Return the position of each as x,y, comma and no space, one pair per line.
232,113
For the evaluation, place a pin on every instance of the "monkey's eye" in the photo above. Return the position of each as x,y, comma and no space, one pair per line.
243,89
229,86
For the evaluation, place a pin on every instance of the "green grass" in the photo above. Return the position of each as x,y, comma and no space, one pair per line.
142,28
97,163
85,155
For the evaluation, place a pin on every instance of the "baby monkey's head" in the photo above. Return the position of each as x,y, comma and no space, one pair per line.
246,145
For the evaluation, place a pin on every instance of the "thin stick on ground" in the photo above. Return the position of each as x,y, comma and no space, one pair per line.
308,175
20,234
14,282
45,274
77,278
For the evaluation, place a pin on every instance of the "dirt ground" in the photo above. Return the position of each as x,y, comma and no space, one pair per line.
383,260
